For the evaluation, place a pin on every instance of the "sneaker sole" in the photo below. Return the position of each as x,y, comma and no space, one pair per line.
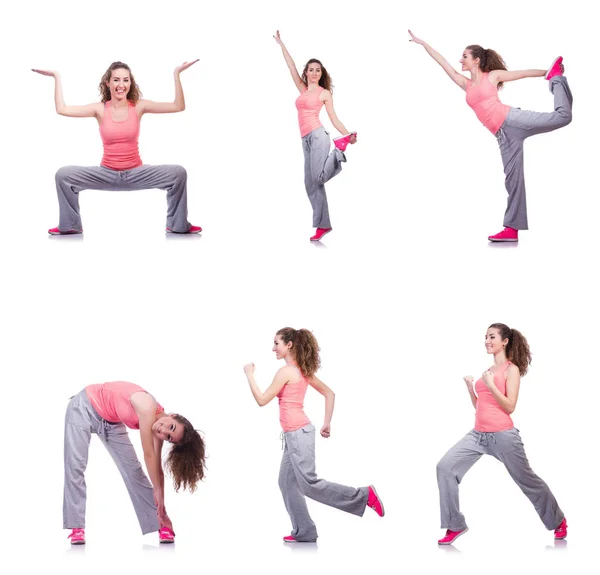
509,240
183,233
77,542
380,502
64,233
453,540
167,542
296,541
553,63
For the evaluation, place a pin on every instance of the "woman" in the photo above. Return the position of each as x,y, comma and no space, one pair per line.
510,125
118,115
494,397
297,476
107,409
319,164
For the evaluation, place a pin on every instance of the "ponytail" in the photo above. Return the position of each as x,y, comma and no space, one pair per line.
304,347
489,60
517,349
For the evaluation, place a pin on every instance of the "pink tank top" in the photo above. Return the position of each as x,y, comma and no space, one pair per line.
489,416
309,106
112,402
486,104
291,404
120,140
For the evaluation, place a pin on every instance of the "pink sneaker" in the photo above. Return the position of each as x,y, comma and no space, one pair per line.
556,69
77,537
165,535
451,536
342,142
320,233
561,531
289,539
506,235
374,502
57,232
192,230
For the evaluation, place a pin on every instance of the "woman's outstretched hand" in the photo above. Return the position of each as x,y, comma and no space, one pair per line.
45,72
278,38
249,369
414,39
185,66
325,431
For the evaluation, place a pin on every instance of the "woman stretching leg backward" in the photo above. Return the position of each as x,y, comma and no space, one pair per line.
319,164
511,126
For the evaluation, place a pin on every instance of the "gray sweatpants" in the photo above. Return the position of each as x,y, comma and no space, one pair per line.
519,125
298,478
81,421
319,167
71,180
507,447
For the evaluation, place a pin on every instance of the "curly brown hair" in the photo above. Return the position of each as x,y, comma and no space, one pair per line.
489,60
186,460
517,349
304,347
324,80
134,93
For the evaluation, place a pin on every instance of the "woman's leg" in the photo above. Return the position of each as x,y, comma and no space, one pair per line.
519,125
511,149
115,438
171,178
70,180
511,452
78,432
450,471
303,527
301,444
320,165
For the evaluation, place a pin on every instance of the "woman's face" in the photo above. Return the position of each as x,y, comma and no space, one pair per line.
168,429
281,348
119,84
493,341
314,73
467,61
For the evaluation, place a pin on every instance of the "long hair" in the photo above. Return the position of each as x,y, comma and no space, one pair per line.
517,349
304,347
186,459
324,80
489,60
134,93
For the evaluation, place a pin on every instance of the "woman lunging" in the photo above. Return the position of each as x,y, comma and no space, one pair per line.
494,398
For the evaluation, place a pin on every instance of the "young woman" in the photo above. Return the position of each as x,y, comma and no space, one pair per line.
107,409
511,126
118,114
494,398
297,476
319,164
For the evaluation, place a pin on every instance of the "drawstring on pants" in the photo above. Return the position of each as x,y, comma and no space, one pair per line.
484,438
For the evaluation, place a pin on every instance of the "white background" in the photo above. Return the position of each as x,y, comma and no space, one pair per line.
399,295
